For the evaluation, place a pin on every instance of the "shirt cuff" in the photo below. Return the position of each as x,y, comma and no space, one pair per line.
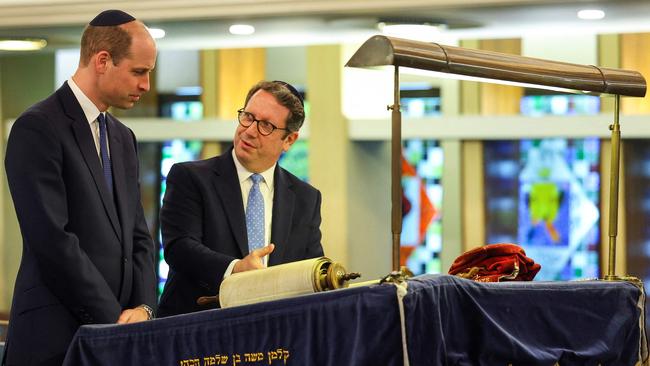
231,266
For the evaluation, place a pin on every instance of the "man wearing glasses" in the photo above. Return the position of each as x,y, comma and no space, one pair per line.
239,211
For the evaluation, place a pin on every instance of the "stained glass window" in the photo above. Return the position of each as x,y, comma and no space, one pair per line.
172,152
296,159
421,238
544,194
559,215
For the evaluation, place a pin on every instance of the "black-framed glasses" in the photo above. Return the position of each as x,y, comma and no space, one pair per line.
265,128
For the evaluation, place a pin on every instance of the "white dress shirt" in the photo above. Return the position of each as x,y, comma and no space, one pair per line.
267,190
91,112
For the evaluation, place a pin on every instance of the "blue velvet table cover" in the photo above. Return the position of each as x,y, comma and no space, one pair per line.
451,321
447,321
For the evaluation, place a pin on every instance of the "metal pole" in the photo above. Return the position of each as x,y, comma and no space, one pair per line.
613,191
396,172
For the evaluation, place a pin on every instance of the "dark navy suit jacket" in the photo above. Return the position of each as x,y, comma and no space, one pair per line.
204,227
86,255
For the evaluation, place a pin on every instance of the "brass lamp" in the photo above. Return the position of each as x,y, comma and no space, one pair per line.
499,68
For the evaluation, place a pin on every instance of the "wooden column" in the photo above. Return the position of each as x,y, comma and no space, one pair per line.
634,55
208,76
239,69
329,146
473,196
226,76
501,99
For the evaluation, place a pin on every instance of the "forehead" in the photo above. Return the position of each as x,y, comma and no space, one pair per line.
142,52
265,107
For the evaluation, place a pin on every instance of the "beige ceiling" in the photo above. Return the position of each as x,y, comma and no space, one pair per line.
70,12
203,23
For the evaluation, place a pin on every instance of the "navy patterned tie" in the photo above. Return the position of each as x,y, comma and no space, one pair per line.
255,215
103,151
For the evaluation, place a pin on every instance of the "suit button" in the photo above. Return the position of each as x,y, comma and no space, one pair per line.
126,260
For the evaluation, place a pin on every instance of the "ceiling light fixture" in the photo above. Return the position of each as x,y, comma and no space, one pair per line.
424,30
241,29
591,14
156,33
22,44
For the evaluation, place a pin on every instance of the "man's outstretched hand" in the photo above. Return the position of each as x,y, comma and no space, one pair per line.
253,260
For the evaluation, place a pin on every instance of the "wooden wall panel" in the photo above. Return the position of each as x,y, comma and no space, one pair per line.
500,99
208,74
329,151
239,69
484,99
635,55
473,195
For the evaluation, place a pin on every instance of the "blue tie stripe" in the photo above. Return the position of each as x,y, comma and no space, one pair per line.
103,151
255,215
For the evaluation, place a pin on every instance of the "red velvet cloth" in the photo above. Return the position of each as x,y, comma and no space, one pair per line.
494,263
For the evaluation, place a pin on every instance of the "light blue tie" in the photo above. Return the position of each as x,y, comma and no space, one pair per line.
103,151
255,215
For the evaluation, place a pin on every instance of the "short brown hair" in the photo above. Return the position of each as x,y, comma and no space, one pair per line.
113,39
285,98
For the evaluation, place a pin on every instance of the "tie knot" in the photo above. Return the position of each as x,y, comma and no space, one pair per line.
256,178
101,119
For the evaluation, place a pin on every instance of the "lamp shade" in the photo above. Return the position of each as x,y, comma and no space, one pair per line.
382,50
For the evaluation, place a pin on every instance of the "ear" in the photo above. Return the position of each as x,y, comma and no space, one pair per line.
289,140
101,61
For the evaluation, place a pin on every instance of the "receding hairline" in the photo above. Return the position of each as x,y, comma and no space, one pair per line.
137,28
135,31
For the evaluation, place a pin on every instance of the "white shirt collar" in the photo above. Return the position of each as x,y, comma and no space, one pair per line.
243,173
89,108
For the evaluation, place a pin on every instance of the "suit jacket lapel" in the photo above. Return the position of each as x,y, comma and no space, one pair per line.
227,186
283,204
85,140
117,160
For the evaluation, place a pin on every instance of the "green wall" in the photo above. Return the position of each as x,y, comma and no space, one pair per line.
24,80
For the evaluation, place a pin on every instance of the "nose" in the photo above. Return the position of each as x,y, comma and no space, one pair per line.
252,129
144,83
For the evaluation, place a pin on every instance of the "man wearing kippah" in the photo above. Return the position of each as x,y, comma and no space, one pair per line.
239,211
73,174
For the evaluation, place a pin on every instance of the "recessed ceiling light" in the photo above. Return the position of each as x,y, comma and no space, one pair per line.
156,33
591,14
420,32
241,29
22,44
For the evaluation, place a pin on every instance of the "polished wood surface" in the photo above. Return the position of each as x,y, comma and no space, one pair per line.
634,55
238,70
382,50
499,99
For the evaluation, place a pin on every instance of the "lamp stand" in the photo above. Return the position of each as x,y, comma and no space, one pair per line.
613,191
396,172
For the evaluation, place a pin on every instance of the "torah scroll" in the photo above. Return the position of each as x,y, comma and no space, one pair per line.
282,281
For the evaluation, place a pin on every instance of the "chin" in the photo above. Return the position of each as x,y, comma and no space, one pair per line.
122,105
240,152
244,156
